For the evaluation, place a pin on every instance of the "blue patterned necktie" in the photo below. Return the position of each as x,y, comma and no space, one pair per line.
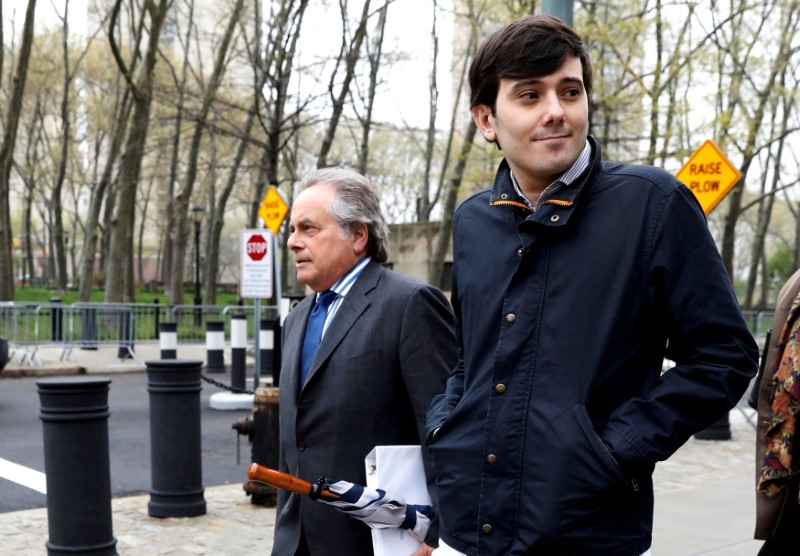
314,332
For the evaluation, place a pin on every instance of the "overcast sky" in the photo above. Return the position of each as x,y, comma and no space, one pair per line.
404,98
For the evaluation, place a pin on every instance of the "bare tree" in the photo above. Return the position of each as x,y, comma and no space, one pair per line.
349,55
374,58
119,276
736,51
179,231
11,124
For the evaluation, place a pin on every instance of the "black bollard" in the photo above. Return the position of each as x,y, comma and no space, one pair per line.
74,414
168,340
56,320
721,430
88,328
156,320
238,351
126,333
215,346
175,449
3,353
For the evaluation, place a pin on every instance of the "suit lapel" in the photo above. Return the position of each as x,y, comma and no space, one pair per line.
290,379
355,303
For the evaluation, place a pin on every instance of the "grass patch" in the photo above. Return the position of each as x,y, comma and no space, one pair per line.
144,294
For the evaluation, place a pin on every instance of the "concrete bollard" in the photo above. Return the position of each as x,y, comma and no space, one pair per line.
270,350
168,340
175,444
215,346
238,351
74,414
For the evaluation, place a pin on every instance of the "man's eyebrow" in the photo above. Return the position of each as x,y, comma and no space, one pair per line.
522,83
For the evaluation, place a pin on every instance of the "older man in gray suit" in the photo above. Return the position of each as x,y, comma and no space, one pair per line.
387,346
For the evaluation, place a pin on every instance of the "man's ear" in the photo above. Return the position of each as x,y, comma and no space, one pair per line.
360,238
484,119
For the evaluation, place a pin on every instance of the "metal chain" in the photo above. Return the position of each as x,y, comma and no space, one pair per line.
226,387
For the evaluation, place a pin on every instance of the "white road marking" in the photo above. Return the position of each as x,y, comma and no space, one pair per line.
22,475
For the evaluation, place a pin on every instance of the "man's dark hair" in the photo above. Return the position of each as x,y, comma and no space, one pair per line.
533,46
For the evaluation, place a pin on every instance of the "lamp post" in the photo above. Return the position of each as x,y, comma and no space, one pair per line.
197,217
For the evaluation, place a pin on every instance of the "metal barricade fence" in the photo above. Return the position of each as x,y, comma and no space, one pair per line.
17,326
87,326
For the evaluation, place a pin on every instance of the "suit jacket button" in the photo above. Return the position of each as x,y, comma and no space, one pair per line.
301,446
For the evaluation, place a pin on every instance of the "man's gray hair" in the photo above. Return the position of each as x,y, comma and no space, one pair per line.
355,201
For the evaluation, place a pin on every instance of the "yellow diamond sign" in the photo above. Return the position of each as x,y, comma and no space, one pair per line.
273,210
709,175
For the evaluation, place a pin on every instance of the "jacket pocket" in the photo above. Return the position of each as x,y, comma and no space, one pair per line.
603,454
576,490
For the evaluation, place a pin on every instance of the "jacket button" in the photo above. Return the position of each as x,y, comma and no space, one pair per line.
520,251
301,446
511,317
491,458
486,528
500,388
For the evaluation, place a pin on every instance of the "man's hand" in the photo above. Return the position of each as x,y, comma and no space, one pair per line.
423,550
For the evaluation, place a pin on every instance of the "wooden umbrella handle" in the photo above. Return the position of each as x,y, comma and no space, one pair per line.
284,481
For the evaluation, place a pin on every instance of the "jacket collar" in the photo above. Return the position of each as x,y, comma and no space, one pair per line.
355,303
504,195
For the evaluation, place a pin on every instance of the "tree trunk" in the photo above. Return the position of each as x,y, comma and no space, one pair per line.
351,58
374,66
169,213
14,108
179,230
121,244
446,226
89,252
59,251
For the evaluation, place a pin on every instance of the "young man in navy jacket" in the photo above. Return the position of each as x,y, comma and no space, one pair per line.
573,279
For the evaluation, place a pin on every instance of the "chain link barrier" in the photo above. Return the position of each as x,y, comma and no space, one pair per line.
227,387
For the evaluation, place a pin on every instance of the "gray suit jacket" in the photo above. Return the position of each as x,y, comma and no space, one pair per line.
388,350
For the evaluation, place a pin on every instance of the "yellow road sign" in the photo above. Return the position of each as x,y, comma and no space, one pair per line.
709,175
273,210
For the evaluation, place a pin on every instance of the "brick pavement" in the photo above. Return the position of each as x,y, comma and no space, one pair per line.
705,505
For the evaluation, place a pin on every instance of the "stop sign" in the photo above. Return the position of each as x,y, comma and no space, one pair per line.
256,247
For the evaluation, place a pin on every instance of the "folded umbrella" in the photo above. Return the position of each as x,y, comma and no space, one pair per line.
375,507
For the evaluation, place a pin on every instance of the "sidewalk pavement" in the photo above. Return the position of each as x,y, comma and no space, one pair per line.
704,501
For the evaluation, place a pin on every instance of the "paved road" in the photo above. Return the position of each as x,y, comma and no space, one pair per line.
704,502
129,438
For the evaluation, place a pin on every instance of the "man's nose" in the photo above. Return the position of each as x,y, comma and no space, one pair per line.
554,110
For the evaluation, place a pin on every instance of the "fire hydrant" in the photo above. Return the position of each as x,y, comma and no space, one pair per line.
262,431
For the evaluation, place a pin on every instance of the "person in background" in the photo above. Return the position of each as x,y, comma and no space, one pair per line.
573,279
778,401
387,346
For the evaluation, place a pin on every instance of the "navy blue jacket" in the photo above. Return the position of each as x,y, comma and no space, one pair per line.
557,412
